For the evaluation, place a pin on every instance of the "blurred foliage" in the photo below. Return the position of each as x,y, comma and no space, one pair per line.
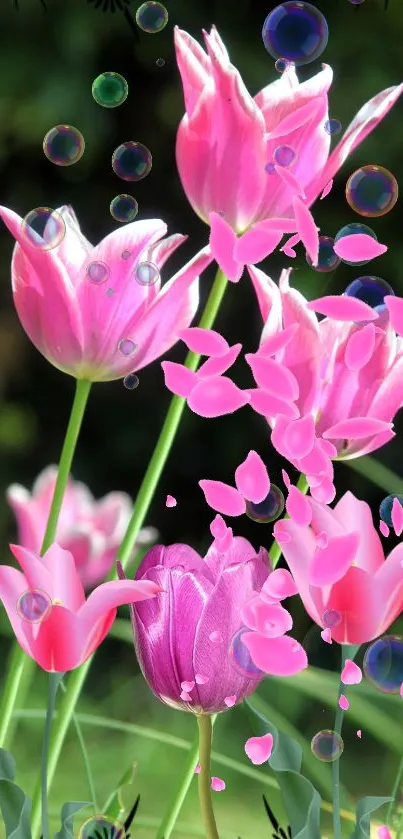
48,60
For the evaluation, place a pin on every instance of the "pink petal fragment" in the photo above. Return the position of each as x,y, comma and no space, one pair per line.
291,181
297,118
217,366
187,686
356,428
359,733
223,498
217,784
394,306
265,403
401,690
397,516
307,229
383,527
326,190
357,247
326,635
286,478
331,563
279,585
222,244
229,701
256,244
298,507
299,436
197,769
170,501
384,832
216,637
178,378
204,341
259,749
288,247
270,619
186,697
216,396
342,308
279,340
282,656
252,479
344,703
272,376
351,673
360,347
201,680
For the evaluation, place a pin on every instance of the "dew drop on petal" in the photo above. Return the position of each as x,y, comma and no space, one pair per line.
331,618
269,509
351,230
383,664
123,208
371,290
372,191
270,168
295,31
131,381
98,272
333,126
126,346
240,657
146,273
126,254
43,228
131,161
385,508
284,155
64,145
327,258
327,746
34,606
281,64
110,90
151,17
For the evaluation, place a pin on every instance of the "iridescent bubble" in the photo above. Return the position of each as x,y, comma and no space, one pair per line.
269,509
240,656
110,292
63,145
372,191
356,2
350,230
131,161
124,208
284,155
383,664
43,228
160,62
126,346
295,31
327,258
371,290
331,618
147,273
281,64
270,168
327,746
131,381
34,606
126,254
333,126
151,17
101,827
98,272
385,508
110,90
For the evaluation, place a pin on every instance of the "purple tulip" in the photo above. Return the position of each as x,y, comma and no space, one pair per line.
188,638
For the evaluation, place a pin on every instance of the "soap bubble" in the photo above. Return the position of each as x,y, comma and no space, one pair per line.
269,509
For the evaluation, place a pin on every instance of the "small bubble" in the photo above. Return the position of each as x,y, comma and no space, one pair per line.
352,230
126,254
63,145
270,168
43,228
126,346
371,290
295,31
131,161
110,292
241,658
385,508
98,272
372,191
327,746
34,606
269,509
327,258
124,208
101,827
147,273
333,126
331,618
282,64
131,381
160,62
284,155
110,90
152,17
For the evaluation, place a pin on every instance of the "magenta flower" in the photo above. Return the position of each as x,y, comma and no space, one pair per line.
339,567
53,622
227,138
83,306
90,530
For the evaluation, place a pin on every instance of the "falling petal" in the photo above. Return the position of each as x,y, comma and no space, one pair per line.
229,701
342,308
351,673
252,479
204,341
170,501
360,347
217,396
279,585
298,507
383,527
178,378
326,189
397,516
357,247
259,749
394,306
223,498
357,428
326,635
217,784
344,703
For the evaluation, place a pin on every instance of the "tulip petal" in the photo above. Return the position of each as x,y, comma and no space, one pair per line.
222,243
194,67
252,479
178,378
276,656
223,498
217,396
269,301
343,308
360,347
306,229
357,247
270,619
273,377
204,341
299,436
351,514
331,563
108,596
394,306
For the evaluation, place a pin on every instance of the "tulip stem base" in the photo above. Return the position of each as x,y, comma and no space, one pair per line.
348,651
53,685
206,804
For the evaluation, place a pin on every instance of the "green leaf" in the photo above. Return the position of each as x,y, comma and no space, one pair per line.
68,811
14,803
377,473
114,808
366,806
301,800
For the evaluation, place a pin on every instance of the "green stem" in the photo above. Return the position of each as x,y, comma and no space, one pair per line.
85,756
169,820
19,661
206,804
53,684
347,651
276,550
394,793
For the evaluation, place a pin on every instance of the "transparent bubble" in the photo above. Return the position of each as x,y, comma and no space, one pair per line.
240,656
101,827
269,509
385,508
126,346
43,228
333,126
327,258
64,145
356,2
147,273
34,606
110,292
284,155
372,191
331,618
152,17
281,64
371,290
98,272
131,381
383,664
124,208
132,161
327,746
126,254
351,230
270,168
160,62
110,90
295,31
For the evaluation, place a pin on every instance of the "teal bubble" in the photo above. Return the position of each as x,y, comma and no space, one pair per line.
352,230
327,258
385,508
64,145
110,90
43,228
151,17
132,161
269,509
124,208
327,745
383,664
372,191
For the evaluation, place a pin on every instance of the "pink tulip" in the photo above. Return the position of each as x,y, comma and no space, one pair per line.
95,329
90,530
226,139
53,622
347,586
